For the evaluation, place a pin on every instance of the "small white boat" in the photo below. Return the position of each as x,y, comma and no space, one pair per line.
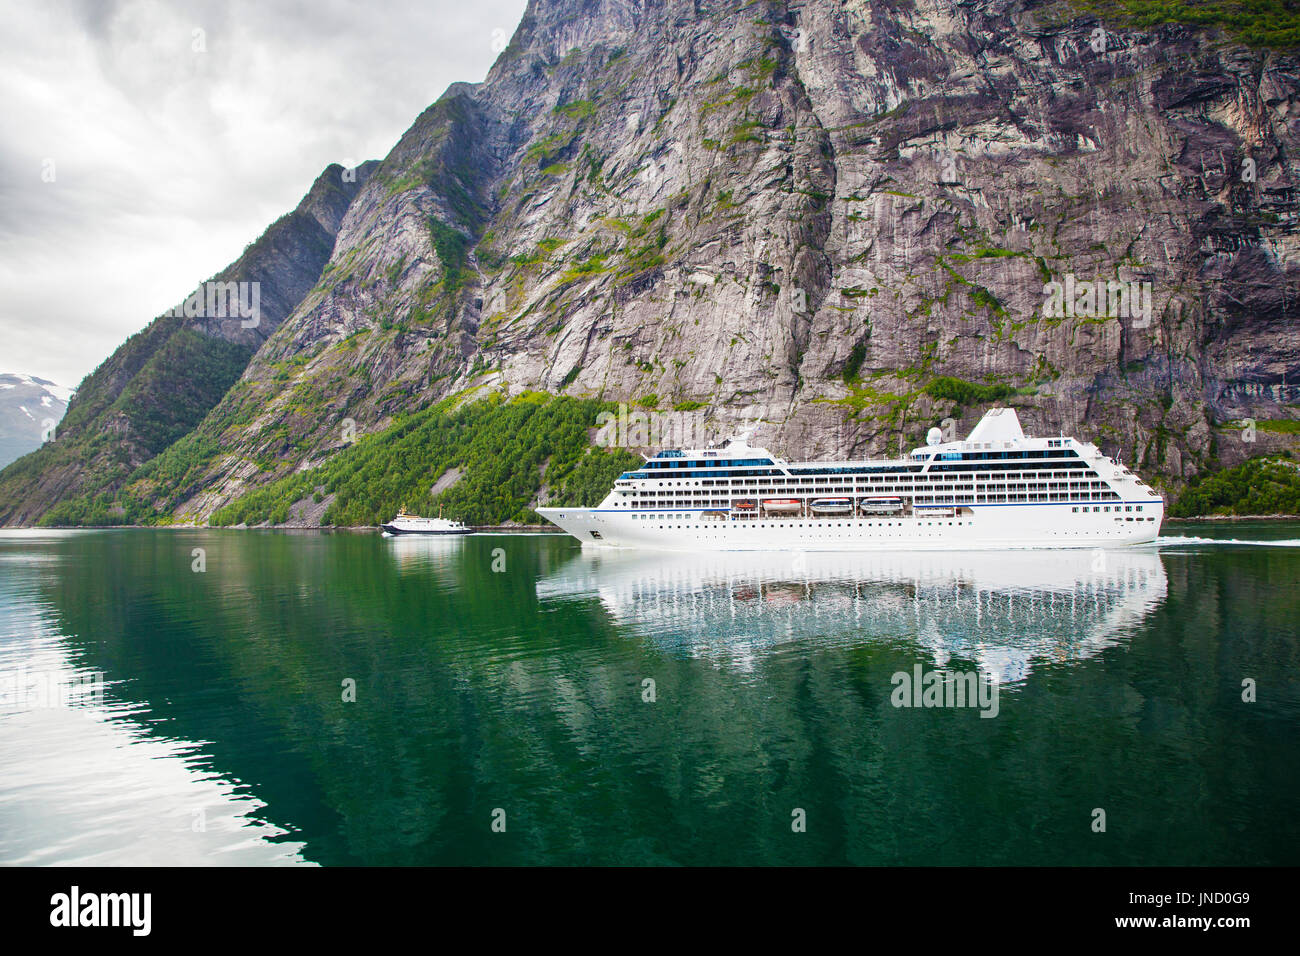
831,506
782,506
413,524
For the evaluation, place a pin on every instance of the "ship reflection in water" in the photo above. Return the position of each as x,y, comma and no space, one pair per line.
417,552
1002,612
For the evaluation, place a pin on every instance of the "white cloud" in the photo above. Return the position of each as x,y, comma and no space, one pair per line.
167,161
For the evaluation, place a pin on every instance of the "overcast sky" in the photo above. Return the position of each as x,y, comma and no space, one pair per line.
144,143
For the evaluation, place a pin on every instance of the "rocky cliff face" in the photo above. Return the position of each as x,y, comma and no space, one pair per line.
812,217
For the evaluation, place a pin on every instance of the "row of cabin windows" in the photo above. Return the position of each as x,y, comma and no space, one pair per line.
985,487
960,499
659,463
824,523
760,468
932,477
1056,492
744,487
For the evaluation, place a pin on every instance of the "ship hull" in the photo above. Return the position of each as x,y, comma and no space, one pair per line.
984,527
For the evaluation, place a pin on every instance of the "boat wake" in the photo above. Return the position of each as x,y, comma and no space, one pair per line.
1174,541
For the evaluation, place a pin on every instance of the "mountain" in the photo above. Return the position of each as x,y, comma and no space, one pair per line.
30,410
164,379
840,221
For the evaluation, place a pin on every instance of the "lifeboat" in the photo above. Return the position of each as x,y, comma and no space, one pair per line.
744,504
881,505
782,506
831,506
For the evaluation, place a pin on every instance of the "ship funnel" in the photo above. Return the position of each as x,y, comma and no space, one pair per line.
998,424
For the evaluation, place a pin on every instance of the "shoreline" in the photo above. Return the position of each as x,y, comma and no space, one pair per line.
1198,518
479,529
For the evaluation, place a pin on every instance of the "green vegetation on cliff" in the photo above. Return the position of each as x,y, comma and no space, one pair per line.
501,448
146,496
1259,23
1260,486
178,386
450,245
966,393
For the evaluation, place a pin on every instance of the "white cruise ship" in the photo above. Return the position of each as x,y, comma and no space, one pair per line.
996,489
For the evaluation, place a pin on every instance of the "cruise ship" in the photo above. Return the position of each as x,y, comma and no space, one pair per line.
997,489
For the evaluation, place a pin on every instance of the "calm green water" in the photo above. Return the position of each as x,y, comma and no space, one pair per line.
222,735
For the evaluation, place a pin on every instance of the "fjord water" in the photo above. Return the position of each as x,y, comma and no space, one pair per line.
507,678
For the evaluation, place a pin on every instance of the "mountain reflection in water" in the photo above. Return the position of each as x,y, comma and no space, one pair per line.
512,671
